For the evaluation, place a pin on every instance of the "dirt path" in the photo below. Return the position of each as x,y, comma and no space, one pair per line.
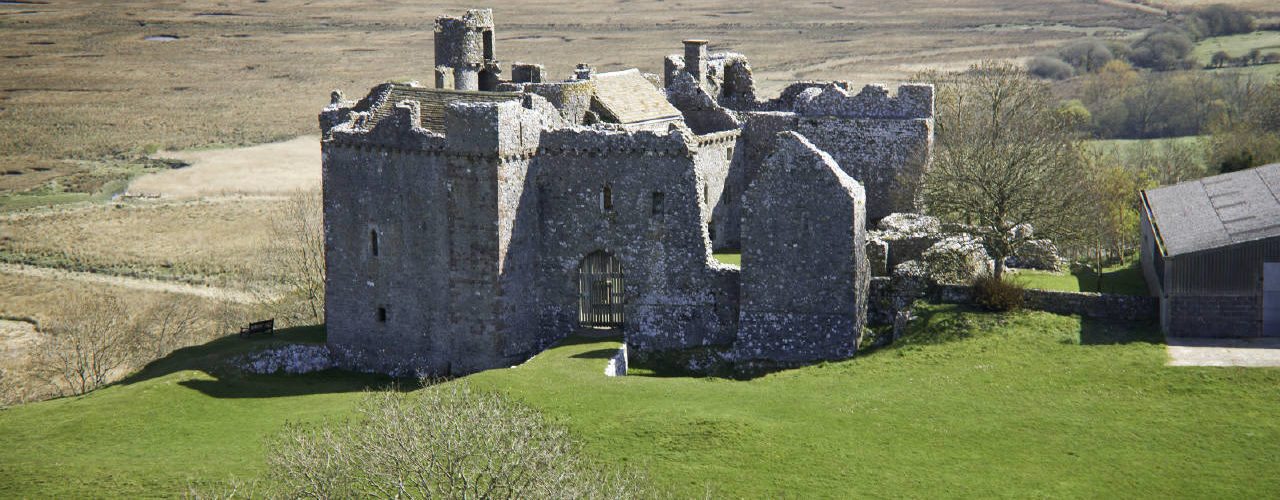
224,294
274,168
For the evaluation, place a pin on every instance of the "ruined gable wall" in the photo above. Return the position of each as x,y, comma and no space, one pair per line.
878,139
669,278
804,268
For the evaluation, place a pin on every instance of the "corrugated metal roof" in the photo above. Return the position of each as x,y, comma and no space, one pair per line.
432,103
1217,211
630,98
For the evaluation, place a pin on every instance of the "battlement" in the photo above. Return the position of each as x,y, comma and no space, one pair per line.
913,101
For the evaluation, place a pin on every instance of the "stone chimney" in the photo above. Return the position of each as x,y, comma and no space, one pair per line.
695,59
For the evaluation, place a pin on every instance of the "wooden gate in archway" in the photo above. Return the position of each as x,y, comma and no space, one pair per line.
600,292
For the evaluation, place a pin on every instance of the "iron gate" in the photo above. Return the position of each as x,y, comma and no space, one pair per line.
600,291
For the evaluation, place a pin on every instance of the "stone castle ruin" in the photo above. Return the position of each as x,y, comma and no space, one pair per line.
471,224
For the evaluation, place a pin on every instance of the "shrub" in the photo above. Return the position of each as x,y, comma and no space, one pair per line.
996,294
1163,48
1222,19
1050,67
442,442
1086,56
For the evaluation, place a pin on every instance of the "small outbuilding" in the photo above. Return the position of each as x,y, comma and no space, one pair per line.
1211,253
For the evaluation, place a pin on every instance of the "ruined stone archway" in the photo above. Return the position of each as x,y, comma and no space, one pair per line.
600,291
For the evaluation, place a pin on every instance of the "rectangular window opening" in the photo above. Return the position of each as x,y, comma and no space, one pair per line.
657,202
382,315
373,241
728,153
606,198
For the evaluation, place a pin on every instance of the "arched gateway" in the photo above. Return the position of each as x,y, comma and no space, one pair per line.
600,292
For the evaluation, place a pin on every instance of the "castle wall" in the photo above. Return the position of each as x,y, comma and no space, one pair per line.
804,269
400,196
883,142
453,273
676,296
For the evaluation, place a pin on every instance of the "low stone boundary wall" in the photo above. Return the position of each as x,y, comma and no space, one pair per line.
1106,306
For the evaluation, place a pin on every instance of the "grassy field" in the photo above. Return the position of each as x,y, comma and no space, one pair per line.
970,404
1124,279
210,242
1123,146
1239,45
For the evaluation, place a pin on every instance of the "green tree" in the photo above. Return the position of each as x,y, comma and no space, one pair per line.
1007,155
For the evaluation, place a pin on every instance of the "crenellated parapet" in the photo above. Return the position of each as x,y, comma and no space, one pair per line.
585,141
912,102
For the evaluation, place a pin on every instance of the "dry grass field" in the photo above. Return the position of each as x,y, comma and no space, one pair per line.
213,242
82,81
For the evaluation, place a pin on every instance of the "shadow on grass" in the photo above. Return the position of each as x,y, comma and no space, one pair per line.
215,358
1127,280
1100,332
596,354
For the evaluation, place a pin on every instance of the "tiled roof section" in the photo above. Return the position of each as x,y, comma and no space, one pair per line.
432,103
630,98
1217,211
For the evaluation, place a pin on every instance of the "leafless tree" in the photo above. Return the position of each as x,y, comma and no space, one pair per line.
444,442
167,324
295,257
84,350
1006,156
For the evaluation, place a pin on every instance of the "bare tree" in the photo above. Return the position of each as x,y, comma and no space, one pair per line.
167,324
444,442
1006,156
295,257
84,350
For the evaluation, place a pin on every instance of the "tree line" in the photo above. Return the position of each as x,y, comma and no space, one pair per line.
1165,47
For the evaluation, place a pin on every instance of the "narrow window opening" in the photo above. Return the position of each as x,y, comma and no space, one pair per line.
657,202
706,194
373,241
606,198
488,45
382,315
728,153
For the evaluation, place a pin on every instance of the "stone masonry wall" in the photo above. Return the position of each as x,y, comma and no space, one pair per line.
1221,316
1104,306
677,296
804,267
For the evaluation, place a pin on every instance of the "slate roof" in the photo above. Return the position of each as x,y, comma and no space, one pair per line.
432,103
1217,211
630,98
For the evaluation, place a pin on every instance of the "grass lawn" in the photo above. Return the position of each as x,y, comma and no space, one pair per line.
1239,45
729,258
1122,147
1124,279
970,404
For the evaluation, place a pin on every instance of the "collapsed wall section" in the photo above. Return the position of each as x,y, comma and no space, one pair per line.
804,268
884,142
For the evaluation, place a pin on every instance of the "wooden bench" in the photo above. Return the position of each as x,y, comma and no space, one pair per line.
267,327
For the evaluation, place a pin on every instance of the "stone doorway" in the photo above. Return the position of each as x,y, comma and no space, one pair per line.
600,291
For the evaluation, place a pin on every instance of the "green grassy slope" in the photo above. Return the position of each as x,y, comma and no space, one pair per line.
172,425
971,404
1123,279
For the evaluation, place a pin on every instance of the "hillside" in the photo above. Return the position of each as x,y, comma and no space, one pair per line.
971,404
